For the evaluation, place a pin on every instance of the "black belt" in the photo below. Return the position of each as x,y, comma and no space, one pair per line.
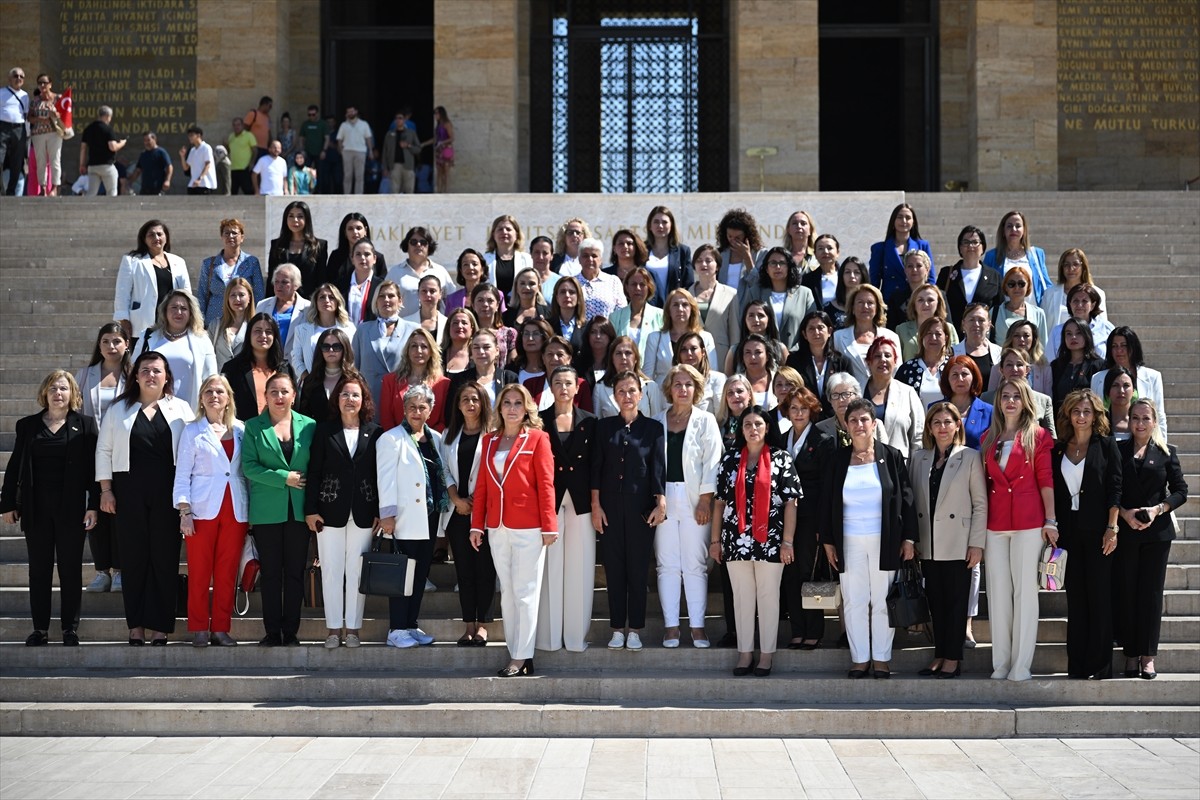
12,124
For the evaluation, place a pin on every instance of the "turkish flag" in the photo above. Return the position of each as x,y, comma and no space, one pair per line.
65,106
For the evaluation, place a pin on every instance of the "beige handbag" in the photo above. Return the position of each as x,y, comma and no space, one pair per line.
820,595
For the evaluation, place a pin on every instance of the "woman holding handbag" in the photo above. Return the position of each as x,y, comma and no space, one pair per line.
951,500
341,504
514,502
211,495
1087,499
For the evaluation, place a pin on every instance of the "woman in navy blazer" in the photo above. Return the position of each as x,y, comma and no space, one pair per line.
1087,497
341,503
1152,487
887,257
662,240
514,501
212,497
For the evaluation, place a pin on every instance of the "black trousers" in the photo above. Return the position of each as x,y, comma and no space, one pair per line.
476,571
283,558
805,624
240,182
948,588
1140,574
1089,602
13,147
628,554
404,611
56,536
103,540
149,539
199,190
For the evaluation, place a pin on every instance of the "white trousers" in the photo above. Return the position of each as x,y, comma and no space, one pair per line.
520,558
973,593
864,600
354,165
341,551
106,175
681,551
568,583
756,586
47,148
1012,592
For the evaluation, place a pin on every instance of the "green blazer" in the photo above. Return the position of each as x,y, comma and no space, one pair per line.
264,466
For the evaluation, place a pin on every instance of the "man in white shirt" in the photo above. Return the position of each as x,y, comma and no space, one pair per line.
354,142
198,163
14,129
270,173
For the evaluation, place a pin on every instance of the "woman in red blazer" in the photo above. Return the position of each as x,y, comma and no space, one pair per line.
514,501
1016,458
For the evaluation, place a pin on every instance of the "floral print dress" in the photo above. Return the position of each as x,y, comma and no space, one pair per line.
737,544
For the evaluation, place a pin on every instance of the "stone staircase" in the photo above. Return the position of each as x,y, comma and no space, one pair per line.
1145,252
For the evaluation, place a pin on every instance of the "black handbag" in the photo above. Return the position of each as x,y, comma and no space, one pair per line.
907,604
314,593
389,574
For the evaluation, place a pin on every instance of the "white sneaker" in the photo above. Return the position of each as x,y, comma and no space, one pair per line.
116,583
430,586
101,583
420,637
333,642
456,588
400,638
617,641
633,641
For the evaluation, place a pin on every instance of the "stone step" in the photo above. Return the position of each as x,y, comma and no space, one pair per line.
460,719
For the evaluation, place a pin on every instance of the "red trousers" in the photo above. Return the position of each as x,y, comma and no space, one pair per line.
213,554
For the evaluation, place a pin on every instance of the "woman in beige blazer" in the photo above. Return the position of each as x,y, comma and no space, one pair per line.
718,303
951,499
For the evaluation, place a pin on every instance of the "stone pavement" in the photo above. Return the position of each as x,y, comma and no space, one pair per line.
344,768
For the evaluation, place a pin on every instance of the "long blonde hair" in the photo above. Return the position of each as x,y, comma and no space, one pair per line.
1155,432
1027,424
533,419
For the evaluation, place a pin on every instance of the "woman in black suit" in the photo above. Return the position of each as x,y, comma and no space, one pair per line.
1087,497
670,261
810,449
298,244
815,357
50,488
1152,487
823,281
565,611
333,357
984,281
341,504
628,485
260,358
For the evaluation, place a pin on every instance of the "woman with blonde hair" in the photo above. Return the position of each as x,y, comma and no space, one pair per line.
421,363
212,497
566,247
865,323
328,310
1073,269
49,487
1021,518
180,336
1019,305
927,302
799,239
504,255
228,333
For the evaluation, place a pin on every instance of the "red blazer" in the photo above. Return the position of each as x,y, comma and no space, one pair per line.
523,496
391,402
1014,494
583,399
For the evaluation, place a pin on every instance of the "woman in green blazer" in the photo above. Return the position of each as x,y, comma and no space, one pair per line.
275,452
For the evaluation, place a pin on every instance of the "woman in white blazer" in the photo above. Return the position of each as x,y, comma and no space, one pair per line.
286,305
328,310
135,467
1124,350
720,312
180,336
864,326
903,417
412,496
951,500
137,295
692,452
682,316
214,511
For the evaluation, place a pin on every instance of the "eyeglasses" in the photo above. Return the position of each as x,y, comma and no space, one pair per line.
777,263
418,242
971,243
843,395
43,83
331,347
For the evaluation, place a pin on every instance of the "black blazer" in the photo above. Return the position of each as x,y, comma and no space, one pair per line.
1148,485
311,271
812,279
313,402
503,377
800,360
1099,491
1061,385
572,458
339,485
899,510
811,462
987,291
630,465
80,490
239,371
339,268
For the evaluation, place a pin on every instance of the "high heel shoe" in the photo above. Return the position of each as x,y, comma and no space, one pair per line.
941,673
931,670
762,672
1146,674
1132,667
527,667
741,672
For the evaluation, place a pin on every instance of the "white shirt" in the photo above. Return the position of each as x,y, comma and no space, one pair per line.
862,501
272,173
354,135
197,157
1023,261
829,286
409,280
569,267
930,389
14,105
658,268
1073,478
970,279
354,303
351,440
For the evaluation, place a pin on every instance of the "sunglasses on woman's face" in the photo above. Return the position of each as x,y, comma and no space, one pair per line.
1017,285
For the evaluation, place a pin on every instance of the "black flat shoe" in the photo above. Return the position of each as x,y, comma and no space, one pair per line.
136,642
479,641
741,672
70,639
929,671
762,672
957,671
291,640
468,640
37,639
795,646
814,646
882,674
1147,676
509,672
1102,675
159,642
271,640
857,673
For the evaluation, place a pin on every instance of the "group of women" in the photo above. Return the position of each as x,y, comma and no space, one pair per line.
774,411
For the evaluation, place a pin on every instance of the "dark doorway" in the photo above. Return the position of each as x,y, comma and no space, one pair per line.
879,95
378,57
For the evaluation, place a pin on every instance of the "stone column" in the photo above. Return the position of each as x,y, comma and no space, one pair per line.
1012,86
774,90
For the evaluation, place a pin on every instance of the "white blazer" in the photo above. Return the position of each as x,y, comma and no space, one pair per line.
843,342
903,420
112,447
1149,385
204,361
702,451
401,474
203,471
605,405
267,306
136,295
1054,305
88,379
712,392
303,337
521,260
659,353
